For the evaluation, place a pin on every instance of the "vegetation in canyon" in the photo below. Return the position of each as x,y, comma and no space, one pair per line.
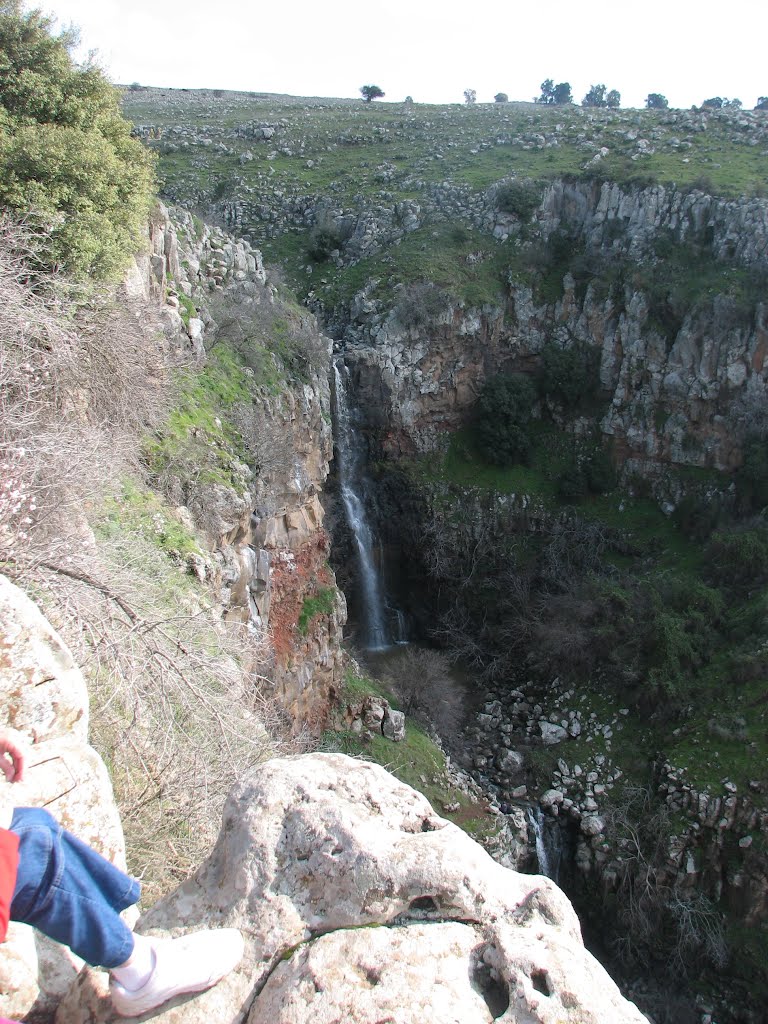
531,546
399,216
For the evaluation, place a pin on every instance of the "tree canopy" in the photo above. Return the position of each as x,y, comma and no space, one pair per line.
599,97
66,152
371,92
595,97
554,94
655,101
503,417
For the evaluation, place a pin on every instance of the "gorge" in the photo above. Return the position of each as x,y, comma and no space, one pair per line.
540,339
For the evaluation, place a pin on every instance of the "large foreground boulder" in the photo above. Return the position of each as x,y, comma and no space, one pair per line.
317,851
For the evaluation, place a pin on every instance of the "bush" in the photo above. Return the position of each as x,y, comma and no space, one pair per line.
421,304
323,240
572,484
66,152
752,477
520,197
570,376
739,556
502,418
422,681
72,401
600,471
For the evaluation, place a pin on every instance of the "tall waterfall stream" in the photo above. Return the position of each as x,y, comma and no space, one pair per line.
350,459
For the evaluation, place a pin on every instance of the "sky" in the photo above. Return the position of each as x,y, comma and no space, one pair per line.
431,50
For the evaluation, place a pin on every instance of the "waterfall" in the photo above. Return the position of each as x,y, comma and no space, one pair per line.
547,848
350,458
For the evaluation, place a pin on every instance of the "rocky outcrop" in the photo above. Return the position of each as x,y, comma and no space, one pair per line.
688,400
610,216
43,697
317,851
264,529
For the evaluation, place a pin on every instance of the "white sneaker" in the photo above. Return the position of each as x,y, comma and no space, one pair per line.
191,963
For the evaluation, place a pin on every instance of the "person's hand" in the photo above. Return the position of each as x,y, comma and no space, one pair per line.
11,757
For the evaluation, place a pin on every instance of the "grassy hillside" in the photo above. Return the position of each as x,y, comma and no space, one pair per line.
391,150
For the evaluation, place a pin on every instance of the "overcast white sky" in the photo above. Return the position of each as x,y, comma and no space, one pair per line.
432,49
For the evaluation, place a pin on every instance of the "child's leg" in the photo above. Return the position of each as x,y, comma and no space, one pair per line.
70,892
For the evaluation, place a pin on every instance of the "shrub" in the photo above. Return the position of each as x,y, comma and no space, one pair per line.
422,681
752,477
502,418
520,197
698,515
421,303
600,471
740,556
572,484
66,152
570,376
501,97
323,240
72,402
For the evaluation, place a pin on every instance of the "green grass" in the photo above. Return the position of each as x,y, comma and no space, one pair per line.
187,309
437,254
197,440
386,150
136,510
321,603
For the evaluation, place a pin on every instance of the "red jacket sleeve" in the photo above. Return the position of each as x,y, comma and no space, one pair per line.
9,865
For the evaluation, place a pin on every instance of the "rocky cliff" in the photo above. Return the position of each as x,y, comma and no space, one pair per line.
264,524
681,361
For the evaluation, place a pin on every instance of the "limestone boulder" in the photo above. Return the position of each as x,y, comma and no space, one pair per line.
315,852
364,977
42,691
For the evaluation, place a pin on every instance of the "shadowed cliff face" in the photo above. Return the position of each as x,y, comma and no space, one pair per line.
256,498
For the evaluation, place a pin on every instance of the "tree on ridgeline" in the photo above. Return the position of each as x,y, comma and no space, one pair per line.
598,97
655,101
554,94
470,96
762,103
371,92
721,103
595,97
67,157
501,97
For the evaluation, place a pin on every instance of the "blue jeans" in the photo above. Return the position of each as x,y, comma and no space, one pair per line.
70,892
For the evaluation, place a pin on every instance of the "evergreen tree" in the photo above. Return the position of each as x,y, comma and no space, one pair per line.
66,151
